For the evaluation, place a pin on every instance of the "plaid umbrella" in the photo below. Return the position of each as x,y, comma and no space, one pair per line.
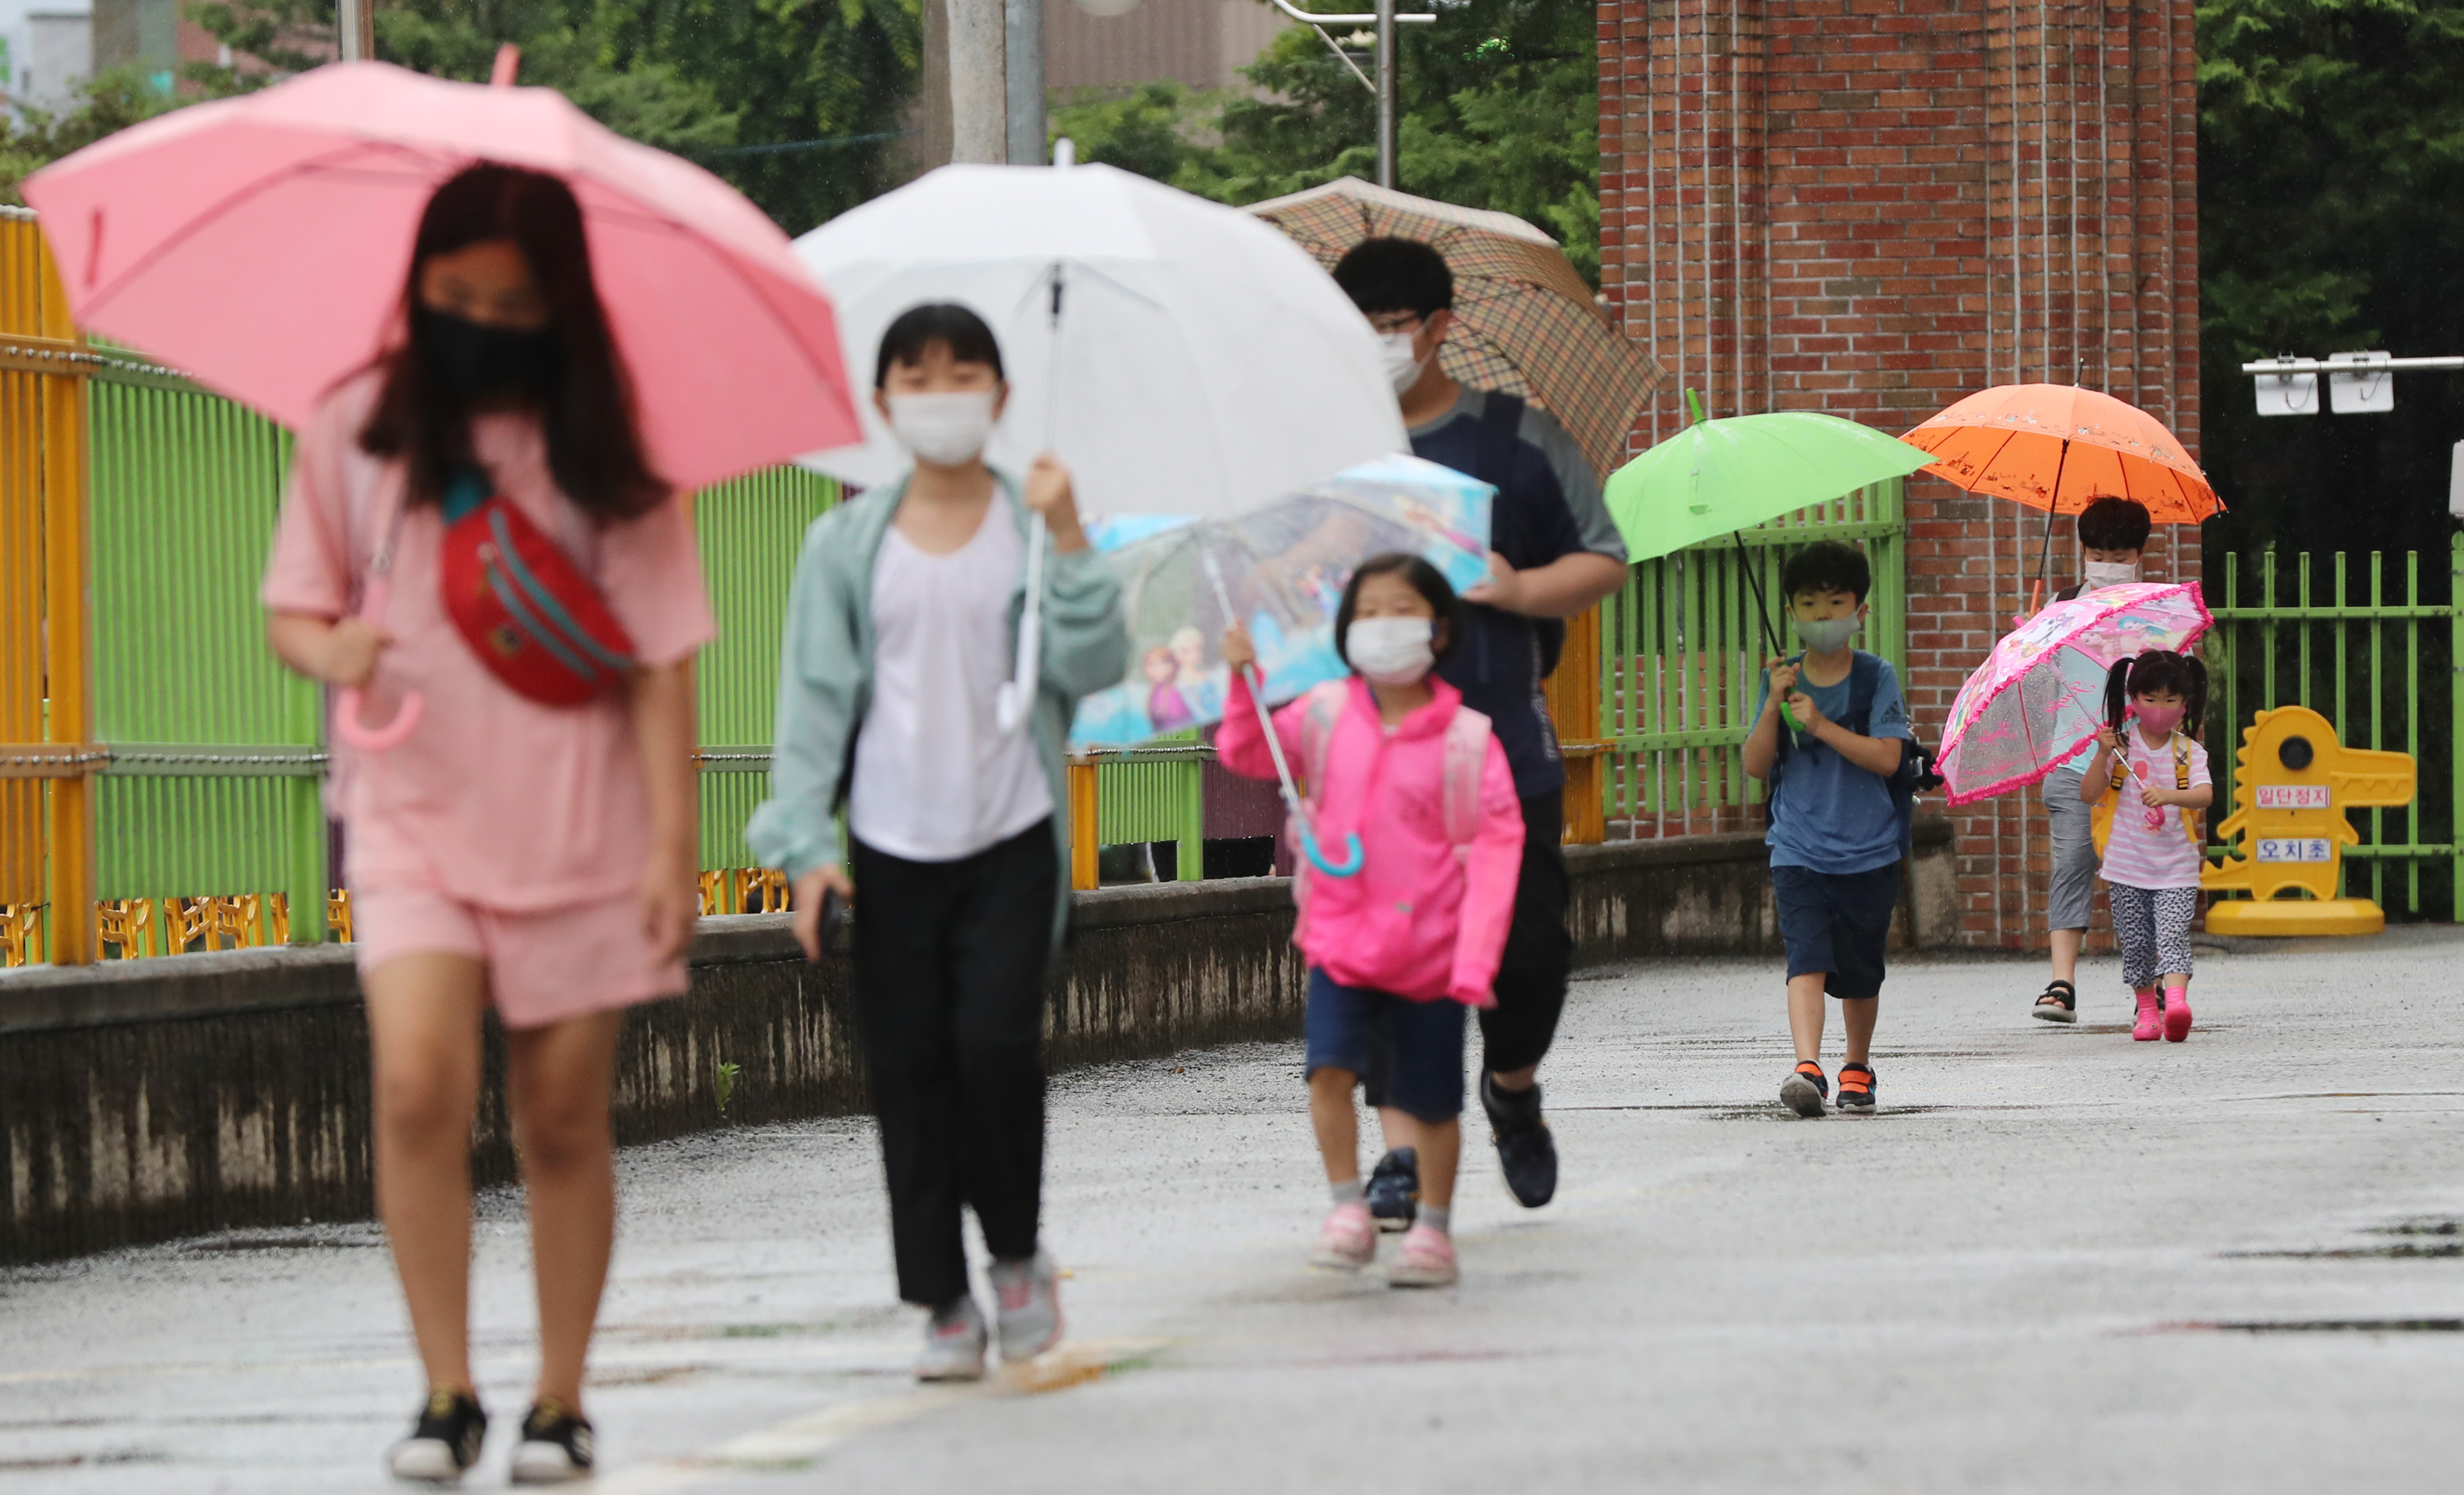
1524,322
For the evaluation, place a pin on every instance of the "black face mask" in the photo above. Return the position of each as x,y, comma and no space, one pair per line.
473,360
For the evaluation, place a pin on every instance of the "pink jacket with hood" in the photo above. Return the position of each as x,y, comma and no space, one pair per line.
1417,920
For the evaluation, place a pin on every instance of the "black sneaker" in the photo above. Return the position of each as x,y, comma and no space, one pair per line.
1804,1091
1395,1190
446,1441
556,1446
1855,1089
1524,1149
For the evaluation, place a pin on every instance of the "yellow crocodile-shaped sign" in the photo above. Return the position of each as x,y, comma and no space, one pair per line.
2292,787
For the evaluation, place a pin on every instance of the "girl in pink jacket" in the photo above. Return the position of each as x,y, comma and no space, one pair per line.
1400,949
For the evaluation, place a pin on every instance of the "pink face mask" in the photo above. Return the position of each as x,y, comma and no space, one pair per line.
2160,719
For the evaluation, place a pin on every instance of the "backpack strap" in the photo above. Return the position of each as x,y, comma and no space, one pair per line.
1466,756
1500,430
1321,709
1864,678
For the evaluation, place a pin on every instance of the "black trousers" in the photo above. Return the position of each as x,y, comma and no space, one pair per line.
1539,952
950,962
1539,949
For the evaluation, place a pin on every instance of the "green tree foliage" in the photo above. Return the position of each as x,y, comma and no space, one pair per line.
799,102
111,100
2331,161
1497,107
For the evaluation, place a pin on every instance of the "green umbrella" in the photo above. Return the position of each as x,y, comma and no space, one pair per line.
1719,476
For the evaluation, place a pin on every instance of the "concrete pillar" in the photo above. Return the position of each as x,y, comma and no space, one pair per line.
978,85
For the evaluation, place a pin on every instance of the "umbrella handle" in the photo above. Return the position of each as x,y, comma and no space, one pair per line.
1017,696
1352,856
358,734
348,724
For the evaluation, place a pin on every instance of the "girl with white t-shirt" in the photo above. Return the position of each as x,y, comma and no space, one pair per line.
2157,775
901,629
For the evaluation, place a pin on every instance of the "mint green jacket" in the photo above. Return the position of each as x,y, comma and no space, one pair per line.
825,677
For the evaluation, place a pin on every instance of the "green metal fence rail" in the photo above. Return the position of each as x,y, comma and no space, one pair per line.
1154,792
212,786
2383,668
1681,659
750,530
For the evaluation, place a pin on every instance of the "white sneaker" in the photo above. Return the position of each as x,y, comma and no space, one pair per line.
1027,1298
953,1344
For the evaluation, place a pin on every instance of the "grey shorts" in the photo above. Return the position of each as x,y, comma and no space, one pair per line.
2075,861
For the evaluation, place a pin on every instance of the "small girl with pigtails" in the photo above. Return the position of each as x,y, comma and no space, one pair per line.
2147,783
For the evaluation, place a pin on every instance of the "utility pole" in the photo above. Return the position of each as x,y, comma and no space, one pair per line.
1384,19
1386,93
978,85
356,20
1024,39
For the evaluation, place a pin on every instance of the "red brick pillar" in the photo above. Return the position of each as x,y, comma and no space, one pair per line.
1876,207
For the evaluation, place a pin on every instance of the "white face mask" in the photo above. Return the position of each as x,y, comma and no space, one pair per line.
2107,573
1402,366
945,430
1390,651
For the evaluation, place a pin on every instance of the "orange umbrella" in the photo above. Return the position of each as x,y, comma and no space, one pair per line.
2059,448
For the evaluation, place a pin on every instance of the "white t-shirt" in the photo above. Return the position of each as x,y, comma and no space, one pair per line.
935,778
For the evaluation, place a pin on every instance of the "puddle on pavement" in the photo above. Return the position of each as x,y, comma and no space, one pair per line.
2316,1327
2429,1239
306,1240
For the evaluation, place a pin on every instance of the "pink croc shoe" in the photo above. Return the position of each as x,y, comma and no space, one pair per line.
1348,1241
1426,1259
2177,1014
2150,1026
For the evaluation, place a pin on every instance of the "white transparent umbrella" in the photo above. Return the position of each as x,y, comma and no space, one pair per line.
1180,356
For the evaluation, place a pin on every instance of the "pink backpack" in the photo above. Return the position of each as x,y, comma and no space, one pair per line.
1466,755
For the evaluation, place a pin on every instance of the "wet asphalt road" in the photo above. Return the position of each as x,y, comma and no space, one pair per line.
2056,1261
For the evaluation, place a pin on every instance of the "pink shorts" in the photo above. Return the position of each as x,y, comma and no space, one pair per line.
543,968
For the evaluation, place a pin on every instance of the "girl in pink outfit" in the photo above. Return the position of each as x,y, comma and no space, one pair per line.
537,858
1399,949
2152,856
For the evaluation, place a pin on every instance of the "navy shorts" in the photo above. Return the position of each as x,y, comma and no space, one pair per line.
1837,925
1422,1043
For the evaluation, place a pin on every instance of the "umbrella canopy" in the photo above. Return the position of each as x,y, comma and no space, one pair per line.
2040,696
1180,356
2059,448
1525,321
262,243
1284,567
1717,476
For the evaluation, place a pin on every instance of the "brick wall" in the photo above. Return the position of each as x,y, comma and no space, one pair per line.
1875,206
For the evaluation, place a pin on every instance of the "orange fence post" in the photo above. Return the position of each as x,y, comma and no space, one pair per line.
1082,843
23,374
42,404
1573,696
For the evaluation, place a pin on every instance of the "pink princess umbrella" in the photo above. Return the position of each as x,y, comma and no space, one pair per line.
2040,696
262,243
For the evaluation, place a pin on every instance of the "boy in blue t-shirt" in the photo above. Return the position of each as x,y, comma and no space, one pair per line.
1836,831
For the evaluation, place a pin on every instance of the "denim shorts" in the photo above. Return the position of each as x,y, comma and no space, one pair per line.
1422,1043
1837,925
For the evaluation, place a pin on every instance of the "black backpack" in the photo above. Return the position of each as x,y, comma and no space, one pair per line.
1917,770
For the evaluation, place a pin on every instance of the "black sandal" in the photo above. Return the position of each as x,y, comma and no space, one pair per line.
2060,1003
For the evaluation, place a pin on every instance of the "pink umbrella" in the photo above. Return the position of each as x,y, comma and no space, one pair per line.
2040,696
261,244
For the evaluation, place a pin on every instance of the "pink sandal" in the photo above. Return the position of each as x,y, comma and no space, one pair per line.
1426,1259
2150,1026
2177,1014
1348,1241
